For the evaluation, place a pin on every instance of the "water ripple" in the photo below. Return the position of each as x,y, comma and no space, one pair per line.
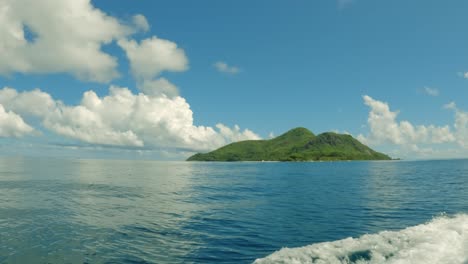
95,211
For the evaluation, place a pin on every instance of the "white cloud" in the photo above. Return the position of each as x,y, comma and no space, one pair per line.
149,59
384,128
461,124
69,35
224,67
122,118
461,128
337,131
431,91
152,56
12,125
450,105
157,87
236,134
141,23
80,122
32,103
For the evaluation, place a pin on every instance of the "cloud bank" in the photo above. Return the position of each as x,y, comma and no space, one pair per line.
120,118
386,129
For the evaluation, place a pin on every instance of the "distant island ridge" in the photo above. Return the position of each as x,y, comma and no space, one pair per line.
298,144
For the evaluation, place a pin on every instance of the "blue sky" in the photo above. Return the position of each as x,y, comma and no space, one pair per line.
286,64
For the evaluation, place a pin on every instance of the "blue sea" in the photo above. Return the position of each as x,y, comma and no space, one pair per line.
117,211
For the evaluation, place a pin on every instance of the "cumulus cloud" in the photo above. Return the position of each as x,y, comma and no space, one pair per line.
461,124
123,118
69,35
149,58
224,67
431,91
12,125
450,105
384,128
236,134
141,23
152,56
32,103
158,87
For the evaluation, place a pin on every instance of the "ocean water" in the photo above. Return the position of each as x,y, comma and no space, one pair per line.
111,211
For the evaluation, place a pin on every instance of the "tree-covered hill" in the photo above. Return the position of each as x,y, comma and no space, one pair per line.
298,144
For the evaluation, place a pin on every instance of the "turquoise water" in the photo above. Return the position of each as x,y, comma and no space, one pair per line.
100,211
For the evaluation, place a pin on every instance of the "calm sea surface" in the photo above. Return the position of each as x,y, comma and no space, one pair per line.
102,211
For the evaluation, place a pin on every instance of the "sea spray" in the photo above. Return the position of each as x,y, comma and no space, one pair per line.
442,240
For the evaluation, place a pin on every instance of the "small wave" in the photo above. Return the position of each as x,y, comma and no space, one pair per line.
442,240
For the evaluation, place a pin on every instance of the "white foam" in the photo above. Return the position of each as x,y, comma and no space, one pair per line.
442,240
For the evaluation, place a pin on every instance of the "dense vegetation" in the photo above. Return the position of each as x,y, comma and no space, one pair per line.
298,144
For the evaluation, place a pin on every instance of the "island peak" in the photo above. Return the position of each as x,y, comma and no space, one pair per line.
298,144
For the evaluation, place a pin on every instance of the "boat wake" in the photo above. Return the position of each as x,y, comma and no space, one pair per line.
442,240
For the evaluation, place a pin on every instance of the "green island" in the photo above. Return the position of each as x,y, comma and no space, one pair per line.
298,144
